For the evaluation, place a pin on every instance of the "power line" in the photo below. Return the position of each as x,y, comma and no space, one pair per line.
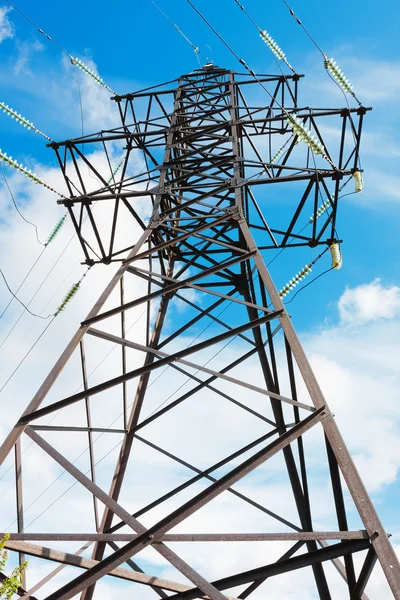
20,301
331,67
276,51
37,289
22,282
195,49
74,61
17,208
27,354
296,18
309,283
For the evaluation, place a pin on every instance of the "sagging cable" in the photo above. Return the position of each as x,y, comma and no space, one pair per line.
21,120
333,68
11,162
20,301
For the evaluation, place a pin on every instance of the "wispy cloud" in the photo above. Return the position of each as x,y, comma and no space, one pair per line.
25,51
6,27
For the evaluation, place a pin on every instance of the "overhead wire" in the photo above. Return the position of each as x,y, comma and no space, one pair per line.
20,301
329,64
11,353
22,283
309,283
277,53
53,316
195,49
17,208
73,60
38,288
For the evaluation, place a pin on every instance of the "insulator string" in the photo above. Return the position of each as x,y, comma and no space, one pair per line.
21,120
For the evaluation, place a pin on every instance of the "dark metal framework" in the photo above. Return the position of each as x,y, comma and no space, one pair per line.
209,162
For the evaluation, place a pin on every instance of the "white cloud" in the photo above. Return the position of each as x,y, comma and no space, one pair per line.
369,302
356,362
25,51
6,27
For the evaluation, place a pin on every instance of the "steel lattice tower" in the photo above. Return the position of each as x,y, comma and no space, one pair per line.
209,177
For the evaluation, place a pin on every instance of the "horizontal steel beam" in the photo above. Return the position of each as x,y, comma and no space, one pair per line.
86,563
282,566
193,537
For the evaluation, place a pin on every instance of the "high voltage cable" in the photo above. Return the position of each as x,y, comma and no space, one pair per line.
37,290
74,61
22,283
267,39
17,208
330,64
10,354
40,286
20,301
309,283
54,232
74,288
195,49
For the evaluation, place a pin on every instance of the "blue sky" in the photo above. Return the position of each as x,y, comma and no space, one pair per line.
351,335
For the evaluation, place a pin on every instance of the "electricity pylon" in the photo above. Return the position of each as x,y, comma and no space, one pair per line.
209,432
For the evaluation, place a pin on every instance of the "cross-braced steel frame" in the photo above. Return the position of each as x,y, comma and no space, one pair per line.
209,155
